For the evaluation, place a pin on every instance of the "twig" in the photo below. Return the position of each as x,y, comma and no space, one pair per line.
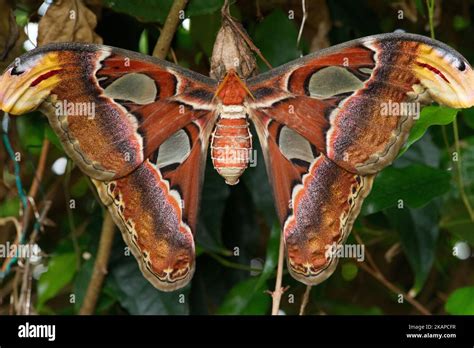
279,290
27,200
234,265
305,299
39,169
430,4
100,266
70,215
459,177
24,302
171,23
12,36
173,55
372,269
303,21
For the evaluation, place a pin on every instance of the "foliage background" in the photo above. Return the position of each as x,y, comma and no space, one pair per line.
413,246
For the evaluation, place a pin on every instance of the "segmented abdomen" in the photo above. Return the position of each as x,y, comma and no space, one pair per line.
231,143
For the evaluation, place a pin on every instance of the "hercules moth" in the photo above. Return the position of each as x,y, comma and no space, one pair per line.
318,120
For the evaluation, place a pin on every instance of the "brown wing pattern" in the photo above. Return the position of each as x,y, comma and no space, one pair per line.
357,101
156,206
111,108
140,128
328,122
317,201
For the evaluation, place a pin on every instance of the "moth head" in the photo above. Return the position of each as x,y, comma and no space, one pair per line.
446,75
28,81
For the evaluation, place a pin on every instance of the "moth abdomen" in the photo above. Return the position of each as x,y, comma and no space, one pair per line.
231,143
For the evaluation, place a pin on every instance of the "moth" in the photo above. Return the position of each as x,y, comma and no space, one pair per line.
141,128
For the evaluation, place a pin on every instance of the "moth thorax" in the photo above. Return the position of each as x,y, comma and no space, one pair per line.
231,143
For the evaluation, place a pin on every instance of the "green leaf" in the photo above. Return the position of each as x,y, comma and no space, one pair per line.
81,281
339,308
468,117
107,297
460,23
280,51
156,11
429,116
52,137
418,230
413,186
273,249
143,42
143,10
31,131
257,182
215,194
461,302
138,296
349,271
61,271
21,17
455,217
204,30
203,7
10,207
467,164
456,220
424,151
80,187
419,4
248,296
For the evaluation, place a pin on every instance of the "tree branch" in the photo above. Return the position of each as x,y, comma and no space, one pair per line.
305,299
171,23
279,290
372,269
100,266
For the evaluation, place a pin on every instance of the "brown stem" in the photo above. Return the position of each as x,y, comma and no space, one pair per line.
171,23
25,294
380,277
372,269
305,299
100,266
39,173
39,169
276,294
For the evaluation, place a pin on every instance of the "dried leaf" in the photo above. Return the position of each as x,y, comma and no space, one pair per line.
11,37
68,20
